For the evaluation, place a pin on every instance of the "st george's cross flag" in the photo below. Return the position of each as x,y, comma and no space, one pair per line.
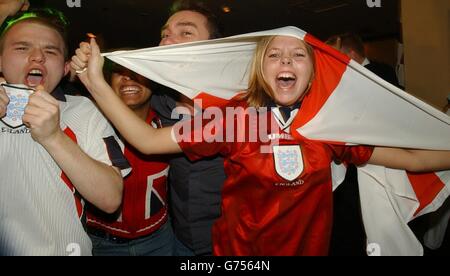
347,104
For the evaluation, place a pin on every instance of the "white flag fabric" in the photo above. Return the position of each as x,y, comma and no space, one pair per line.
347,104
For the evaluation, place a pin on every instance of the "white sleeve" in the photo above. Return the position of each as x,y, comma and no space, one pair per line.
103,144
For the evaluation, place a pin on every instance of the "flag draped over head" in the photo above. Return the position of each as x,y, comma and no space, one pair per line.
212,70
347,104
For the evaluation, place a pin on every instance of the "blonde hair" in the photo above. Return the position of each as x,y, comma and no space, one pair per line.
259,93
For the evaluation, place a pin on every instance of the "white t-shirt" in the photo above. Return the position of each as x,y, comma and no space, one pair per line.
40,214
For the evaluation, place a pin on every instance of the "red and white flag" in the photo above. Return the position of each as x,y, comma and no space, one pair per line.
347,104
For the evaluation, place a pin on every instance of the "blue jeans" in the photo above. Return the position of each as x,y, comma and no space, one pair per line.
179,249
159,243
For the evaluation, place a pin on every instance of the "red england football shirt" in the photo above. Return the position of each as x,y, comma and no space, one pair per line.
274,202
144,205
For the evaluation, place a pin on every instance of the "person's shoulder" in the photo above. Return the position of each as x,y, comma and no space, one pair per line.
78,99
83,116
380,67
80,102
80,107
239,101
379,64
383,70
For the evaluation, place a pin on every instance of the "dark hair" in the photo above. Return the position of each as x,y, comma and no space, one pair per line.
213,25
48,17
110,68
346,42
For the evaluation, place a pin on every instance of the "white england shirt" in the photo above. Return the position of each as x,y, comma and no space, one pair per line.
40,211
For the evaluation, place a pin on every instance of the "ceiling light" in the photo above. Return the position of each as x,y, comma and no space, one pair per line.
226,9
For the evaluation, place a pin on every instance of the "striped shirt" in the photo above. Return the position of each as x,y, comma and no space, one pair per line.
41,213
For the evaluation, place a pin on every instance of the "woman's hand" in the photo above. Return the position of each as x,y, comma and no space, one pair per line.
88,64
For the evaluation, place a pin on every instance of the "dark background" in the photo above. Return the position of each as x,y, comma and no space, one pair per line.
137,23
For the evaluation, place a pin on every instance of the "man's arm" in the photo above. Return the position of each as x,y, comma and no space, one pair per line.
11,7
97,182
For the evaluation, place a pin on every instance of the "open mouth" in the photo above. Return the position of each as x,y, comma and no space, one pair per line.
35,77
129,90
286,80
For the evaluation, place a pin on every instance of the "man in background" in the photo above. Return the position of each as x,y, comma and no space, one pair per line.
195,187
353,46
348,232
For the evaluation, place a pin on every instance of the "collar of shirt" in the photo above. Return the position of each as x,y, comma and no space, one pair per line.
285,114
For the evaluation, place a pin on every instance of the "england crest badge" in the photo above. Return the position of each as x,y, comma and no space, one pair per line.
18,95
288,161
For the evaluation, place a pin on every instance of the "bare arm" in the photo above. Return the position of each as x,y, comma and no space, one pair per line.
411,160
142,136
97,182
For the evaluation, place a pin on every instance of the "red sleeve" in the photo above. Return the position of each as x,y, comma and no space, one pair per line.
358,155
202,136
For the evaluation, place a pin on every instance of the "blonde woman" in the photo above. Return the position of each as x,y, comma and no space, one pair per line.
277,198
